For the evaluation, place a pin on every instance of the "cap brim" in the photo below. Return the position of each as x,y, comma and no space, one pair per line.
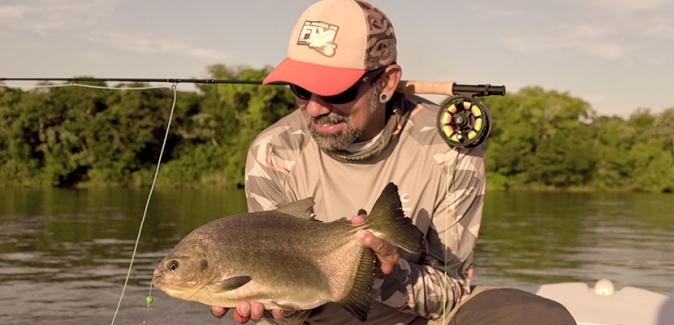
318,79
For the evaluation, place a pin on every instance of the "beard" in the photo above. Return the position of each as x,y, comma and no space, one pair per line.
338,140
342,139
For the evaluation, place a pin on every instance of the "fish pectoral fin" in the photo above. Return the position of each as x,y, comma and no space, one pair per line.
357,301
303,209
231,283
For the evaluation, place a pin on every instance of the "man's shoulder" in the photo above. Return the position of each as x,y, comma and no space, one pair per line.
289,135
422,121
422,129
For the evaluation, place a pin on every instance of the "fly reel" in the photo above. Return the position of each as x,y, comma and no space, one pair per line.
463,121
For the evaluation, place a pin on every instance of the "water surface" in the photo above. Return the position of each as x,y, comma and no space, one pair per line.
64,255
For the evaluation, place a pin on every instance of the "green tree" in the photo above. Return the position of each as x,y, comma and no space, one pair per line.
68,136
566,158
17,166
125,137
652,167
540,137
613,138
663,130
652,155
217,127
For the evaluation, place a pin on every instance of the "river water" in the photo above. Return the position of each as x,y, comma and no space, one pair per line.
65,254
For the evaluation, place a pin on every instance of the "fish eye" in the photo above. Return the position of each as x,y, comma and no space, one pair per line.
172,265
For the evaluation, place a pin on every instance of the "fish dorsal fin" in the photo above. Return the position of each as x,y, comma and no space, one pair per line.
357,301
303,209
230,284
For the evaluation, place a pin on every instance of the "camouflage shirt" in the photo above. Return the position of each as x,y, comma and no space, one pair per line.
441,189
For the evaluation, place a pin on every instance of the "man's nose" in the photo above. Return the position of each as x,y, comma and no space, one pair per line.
316,106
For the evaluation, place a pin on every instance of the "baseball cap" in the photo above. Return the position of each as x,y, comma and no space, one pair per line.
333,44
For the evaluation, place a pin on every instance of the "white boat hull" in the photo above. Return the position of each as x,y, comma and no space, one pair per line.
603,305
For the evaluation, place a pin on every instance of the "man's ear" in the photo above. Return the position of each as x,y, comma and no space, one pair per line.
390,79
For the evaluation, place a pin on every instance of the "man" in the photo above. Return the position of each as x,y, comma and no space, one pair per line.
353,134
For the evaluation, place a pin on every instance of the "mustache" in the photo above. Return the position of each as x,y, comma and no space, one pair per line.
329,118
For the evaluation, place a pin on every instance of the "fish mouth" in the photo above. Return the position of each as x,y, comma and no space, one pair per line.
164,283
156,281
172,291
157,278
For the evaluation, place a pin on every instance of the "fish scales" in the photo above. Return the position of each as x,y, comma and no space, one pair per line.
318,263
283,258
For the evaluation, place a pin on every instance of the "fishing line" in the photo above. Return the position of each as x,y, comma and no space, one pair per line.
149,298
74,84
447,205
147,204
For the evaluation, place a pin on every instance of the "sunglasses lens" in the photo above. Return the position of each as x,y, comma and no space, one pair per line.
300,92
344,97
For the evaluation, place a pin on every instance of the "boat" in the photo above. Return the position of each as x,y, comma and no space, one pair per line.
604,305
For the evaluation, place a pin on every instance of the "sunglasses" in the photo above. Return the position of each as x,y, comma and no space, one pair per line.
344,97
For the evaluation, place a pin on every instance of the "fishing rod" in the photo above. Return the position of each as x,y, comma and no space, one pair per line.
168,80
463,121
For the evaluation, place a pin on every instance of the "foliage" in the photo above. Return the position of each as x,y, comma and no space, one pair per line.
220,124
75,136
550,139
538,137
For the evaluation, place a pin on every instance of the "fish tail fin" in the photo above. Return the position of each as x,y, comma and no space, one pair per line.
388,222
357,302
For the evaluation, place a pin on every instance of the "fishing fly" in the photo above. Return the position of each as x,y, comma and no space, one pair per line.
148,300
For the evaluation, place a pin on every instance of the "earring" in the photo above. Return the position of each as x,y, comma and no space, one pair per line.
383,97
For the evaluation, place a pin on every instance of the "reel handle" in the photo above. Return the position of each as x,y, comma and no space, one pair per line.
448,88
479,90
425,87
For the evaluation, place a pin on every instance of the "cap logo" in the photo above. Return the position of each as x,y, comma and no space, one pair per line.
319,36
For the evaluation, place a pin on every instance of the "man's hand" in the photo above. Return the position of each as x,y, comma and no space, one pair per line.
385,253
246,311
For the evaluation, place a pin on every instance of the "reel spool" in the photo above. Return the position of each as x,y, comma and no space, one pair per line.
464,122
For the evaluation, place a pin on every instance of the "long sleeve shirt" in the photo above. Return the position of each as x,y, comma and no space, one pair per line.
441,189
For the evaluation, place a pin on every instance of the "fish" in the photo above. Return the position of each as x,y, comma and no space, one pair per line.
285,258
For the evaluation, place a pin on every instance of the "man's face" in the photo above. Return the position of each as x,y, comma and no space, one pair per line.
336,126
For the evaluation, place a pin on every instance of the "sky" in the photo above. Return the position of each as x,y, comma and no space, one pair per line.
617,55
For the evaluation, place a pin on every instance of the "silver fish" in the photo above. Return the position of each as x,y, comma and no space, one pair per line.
284,258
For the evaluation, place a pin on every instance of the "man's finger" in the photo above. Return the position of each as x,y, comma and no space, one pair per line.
241,319
386,254
357,219
277,313
256,311
219,312
242,312
379,246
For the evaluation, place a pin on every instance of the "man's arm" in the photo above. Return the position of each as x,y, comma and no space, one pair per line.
433,286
